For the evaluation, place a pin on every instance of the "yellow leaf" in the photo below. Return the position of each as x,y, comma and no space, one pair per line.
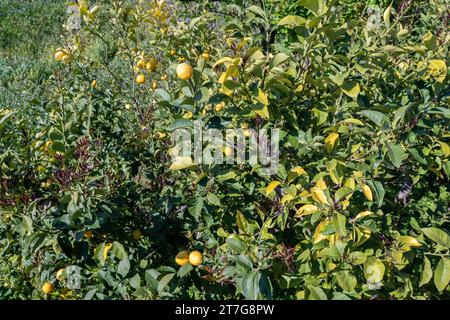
287,198
264,112
367,192
330,141
226,61
351,89
387,16
319,196
298,170
106,250
363,214
262,97
445,148
321,184
306,210
271,187
438,69
180,163
345,203
409,241
353,121
317,237
350,183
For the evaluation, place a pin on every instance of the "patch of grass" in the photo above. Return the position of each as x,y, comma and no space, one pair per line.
28,32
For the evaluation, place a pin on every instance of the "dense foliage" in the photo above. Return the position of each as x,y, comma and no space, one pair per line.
358,207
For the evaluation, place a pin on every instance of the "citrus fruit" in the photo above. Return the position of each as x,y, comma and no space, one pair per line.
47,288
182,258
140,79
195,258
152,64
184,71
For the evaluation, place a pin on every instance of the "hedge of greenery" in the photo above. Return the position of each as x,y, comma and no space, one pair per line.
92,205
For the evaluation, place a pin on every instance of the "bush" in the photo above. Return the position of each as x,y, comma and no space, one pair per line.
358,207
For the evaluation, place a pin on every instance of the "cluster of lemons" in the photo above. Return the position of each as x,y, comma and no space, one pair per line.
195,258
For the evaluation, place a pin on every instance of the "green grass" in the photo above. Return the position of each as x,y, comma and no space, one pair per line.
29,32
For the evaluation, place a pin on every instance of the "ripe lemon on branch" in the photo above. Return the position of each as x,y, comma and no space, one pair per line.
47,288
184,71
140,79
182,258
195,258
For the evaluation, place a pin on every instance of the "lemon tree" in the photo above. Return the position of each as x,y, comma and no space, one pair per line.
357,207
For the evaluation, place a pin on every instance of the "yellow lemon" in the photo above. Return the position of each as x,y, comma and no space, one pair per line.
228,151
195,258
184,71
152,64
47,288
137,234
205,55
59,55
182,258
94,84
173,52
60,274
140,79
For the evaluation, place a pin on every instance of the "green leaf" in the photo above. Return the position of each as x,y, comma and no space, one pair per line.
315,293
165,281
124,267
378,191
341,193
241,222
195,206
376,117
292,21
119,250
374,270
162,95
257,11
346,280
213,199
184,270
442,274
396,153
135,281
339,224
316,6
427,272
278,59
243,260
236,244
180,123
437,235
